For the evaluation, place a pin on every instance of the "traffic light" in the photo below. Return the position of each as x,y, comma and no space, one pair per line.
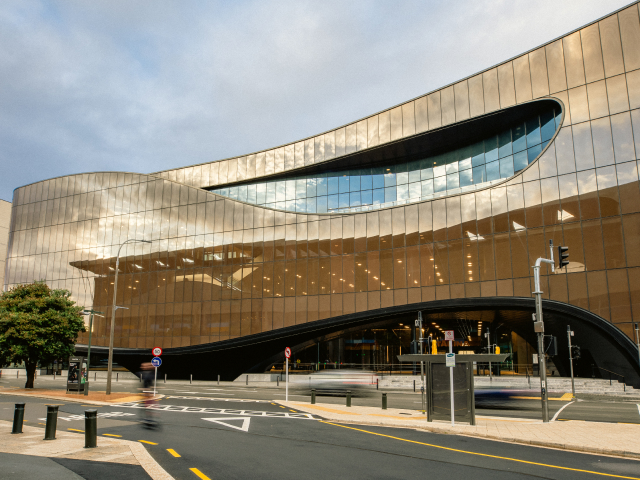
575,352
563,255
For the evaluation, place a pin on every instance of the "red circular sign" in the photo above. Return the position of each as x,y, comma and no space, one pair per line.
157,351
287,352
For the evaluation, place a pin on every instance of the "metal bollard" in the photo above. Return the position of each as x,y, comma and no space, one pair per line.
218,379
54,374
277,381
247,380
377,384
414,386
90,428
190,378
117,376
165,378
384,401
18,374
94,376
348,398
18,418
313,396
52,421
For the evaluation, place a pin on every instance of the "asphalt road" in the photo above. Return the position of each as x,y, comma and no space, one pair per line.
514,404
211,436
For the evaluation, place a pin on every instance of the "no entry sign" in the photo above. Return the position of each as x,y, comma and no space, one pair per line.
157,351
287,352
448,334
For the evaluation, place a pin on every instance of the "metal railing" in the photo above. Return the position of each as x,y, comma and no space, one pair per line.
614,373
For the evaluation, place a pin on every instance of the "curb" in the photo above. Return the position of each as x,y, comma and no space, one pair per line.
71,399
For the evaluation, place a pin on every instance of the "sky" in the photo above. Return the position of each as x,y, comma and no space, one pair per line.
144,86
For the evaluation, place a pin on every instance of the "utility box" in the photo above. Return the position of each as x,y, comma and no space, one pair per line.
77,375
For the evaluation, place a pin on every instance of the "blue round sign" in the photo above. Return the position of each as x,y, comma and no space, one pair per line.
156,362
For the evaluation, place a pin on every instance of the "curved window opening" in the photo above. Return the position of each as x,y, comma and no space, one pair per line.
342,190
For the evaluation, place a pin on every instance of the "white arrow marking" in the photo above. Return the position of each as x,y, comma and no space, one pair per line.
223,421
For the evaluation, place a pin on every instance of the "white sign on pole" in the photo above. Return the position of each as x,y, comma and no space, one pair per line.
448,335
535,358
157,351
287,352
450,360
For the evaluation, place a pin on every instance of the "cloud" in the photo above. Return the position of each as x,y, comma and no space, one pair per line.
146,86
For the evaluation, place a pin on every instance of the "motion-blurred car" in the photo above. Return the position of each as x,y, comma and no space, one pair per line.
338,382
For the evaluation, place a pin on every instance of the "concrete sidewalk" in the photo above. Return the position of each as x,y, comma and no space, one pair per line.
112,454
622,440
94,398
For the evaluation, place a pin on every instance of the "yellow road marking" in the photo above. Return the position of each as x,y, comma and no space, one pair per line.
199,474
40,423
272,403
280,406
111,435
332,410
75,430
173,452
292,411
564,398
150,443
483,454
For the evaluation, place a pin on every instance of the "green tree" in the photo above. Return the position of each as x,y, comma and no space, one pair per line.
37,324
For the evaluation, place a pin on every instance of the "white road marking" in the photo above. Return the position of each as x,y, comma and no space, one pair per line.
223,421
239,400
71,418
559,411
219,411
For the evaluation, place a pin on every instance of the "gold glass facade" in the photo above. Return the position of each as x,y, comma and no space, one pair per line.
218,268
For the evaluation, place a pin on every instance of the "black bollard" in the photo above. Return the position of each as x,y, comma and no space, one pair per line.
90,428
348,398
18,418
313,396
52,421
384,401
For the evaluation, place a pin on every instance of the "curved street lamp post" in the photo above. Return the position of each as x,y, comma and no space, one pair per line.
113,313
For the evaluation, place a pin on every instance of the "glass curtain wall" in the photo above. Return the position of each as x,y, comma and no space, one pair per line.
462,169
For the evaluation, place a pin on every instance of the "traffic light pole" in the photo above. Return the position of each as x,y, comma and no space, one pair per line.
573,387
423,389
539,328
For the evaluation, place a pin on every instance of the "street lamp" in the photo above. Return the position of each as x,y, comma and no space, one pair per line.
90,312
113,313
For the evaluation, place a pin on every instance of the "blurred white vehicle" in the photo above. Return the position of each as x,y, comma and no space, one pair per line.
338,382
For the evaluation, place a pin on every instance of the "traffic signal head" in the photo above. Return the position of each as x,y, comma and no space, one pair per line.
563,256
575,352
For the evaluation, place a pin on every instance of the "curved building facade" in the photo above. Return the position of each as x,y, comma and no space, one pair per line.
333,244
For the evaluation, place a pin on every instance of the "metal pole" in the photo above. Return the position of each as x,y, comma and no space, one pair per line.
542,362
573,387
155,381
488,334
286,387
113,314
453,413
86,382
638,341
423,394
